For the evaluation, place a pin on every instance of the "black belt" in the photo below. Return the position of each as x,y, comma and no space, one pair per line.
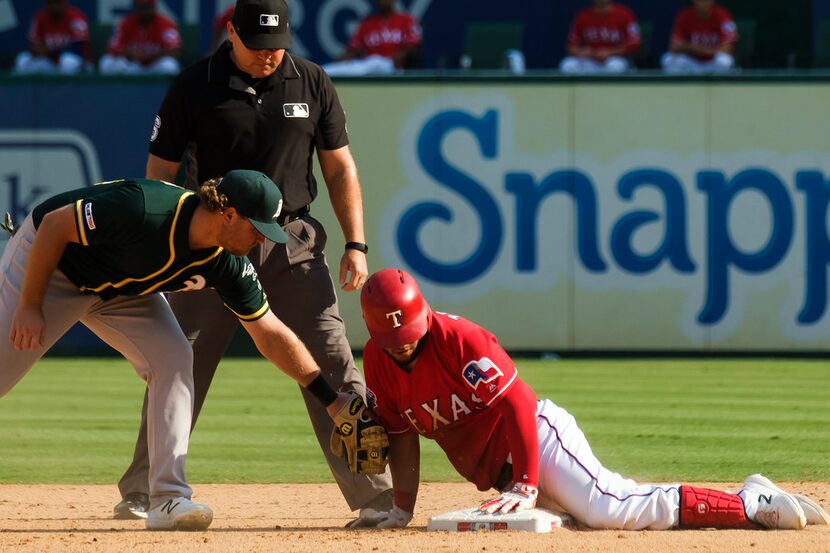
288,216
505,477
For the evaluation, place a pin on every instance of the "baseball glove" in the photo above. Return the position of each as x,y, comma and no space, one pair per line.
359,439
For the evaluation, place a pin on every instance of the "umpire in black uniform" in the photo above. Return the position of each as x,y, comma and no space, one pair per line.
252,105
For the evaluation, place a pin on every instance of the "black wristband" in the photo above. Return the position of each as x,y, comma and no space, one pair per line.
359,246
320,389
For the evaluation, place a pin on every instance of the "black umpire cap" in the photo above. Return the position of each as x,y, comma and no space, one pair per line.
262,24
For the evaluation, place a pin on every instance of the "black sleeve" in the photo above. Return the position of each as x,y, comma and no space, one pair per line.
171,129
111,214
331,128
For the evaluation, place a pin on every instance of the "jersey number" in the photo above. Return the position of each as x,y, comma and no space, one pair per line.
196,283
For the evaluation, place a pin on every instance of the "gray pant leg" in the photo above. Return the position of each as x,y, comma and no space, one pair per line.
63,306
209,327
301,293
144,330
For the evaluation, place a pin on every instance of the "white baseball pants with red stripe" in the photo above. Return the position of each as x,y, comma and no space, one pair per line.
571,479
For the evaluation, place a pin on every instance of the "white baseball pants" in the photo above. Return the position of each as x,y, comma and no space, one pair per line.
571,479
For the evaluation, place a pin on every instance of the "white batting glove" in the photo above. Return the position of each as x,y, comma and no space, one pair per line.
520,498
396,518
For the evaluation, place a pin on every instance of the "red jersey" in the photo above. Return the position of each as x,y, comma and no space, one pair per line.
160,35
221,20
599,31
386,35
719,28
59,34
451,396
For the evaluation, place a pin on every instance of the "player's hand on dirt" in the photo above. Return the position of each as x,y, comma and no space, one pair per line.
396,518
28,324
519,498
353,270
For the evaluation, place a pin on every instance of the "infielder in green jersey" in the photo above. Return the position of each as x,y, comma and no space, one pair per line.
101,254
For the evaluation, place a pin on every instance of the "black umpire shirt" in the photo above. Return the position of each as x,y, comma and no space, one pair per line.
237,122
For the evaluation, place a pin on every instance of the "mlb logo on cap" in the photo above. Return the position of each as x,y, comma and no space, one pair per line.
262,24
269,20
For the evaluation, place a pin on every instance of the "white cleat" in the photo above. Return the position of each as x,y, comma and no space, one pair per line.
776,509
812,510
179,514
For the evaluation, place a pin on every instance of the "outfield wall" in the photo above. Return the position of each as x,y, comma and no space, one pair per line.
632,214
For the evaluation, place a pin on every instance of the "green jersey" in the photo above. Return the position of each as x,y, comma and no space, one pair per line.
134,241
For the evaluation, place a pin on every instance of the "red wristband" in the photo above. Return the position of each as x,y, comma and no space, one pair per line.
404,501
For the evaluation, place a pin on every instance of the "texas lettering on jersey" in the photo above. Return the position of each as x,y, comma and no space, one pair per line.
449,396
457,409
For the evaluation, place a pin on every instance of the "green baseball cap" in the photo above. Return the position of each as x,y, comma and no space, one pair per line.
256,197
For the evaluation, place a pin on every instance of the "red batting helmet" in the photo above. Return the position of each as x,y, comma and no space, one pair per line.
394,310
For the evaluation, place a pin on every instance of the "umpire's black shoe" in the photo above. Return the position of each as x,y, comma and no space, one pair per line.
133,506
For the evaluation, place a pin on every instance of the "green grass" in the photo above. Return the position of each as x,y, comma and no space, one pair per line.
74,421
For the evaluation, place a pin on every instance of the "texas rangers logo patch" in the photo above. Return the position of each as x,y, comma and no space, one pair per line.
482,371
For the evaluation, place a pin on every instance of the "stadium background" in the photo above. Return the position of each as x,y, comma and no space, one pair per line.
637,213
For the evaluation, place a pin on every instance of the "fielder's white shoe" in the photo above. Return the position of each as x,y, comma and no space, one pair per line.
812,510
179,514
774,508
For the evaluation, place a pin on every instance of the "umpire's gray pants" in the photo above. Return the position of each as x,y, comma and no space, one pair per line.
301,293
143,329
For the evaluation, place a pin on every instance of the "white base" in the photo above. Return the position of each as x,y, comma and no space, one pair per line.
471,520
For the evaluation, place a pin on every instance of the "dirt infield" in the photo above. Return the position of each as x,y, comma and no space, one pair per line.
310,517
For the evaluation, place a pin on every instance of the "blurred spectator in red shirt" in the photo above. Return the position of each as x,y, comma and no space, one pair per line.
58,41
702,41
220,25
144,42
385,41
601,40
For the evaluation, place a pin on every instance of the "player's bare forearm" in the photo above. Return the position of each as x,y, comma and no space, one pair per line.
161,169
579,51
679,47
349,54
403,55
620,50
283,348
340,174
150,58
56,230
38,48
405,466
27,326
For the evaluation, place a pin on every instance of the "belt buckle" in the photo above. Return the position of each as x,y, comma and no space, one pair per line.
290,216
